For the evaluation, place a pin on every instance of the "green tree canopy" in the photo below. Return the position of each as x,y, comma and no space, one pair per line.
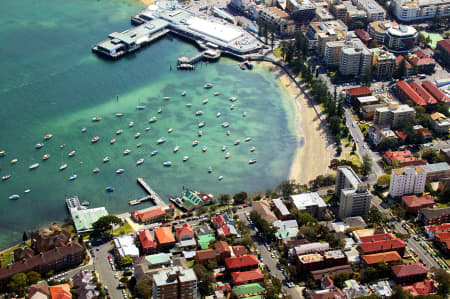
33,277
17,283
443,278
126,261
367,164
239,198
105,224
384,180
144,289
224,199
206,280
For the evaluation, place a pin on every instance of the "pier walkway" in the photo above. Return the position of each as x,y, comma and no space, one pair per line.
153,196
207,55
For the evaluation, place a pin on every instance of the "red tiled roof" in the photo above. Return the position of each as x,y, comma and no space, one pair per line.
399,156
224,287
185,230
423,61
150,214
327,282
205,254
435,91
222,246
241,261
401,135
390,256
377,246
363,35
439,228
333,293
164,235
421,288
61,291
219,220
252,275
359,91
378,237
413,201
409,270
224,230
423,93
443,236
399,60
412,95
239,250
421,53
445,44
146,239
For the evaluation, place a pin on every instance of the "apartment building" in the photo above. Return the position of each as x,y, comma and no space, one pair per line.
374,11
378,29
407,180
401,39
301,11
310,203
279,18
175,283
436,216
444,50
355,59
319,33
384,63
393,115
412,10
352,192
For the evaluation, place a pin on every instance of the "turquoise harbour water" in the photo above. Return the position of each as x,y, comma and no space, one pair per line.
51,83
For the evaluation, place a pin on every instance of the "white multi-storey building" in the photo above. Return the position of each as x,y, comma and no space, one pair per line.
407,180
411,10
374,11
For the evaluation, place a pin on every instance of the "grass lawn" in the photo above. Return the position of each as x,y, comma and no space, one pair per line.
124,229
435,37
7,255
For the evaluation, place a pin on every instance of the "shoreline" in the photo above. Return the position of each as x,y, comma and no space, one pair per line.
314,151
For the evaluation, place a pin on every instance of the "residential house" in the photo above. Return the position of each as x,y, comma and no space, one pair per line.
440,123
164,238
241,263
422,288
202,229
60,291
431,230
354,93
147,242
246,277
205,255
262,207
413,203
83,220
239,250
310,203
386,257
443,241
311,248
125,246
406,93
42,242
382,246
423,93
409,67
250,290
354,289
184,232
281,210
424,62
332,271
333,293
402,158
223,250
159,260
434,216
84,285
406,274
38,291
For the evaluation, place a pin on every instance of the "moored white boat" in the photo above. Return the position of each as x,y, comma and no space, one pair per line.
223,148
118,132
248,139
252,161
112,141
204,148
6,177
183,93
83,130
253,149
244,114
216,93
188,105
227,155
140,107
106,159
126,152
139,144
200,133
72,153
232,107
120,170
218,114
210,169
225,124
201,124
176,148
95,139
152,119
140,161
166,98
131,124
14,196
33,166
119,114
39,145
48,136
205,101
73,177
236,142
14,161
170,130
96,170
195,142
62,167
159,110
208,85
96,118
233,99
198,113
185,158
137,135
161,140
45,157
167,163
220,178
154,152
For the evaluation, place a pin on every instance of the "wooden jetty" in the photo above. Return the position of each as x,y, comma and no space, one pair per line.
139,200
154,197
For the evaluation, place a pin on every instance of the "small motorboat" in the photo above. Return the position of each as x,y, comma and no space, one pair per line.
155,152
14,196
210,169
112,141
27,191
236,142
14,161
233,99
106,159
225,125
218,114
140,161
95,139
62,145
33,166
252,161
147,128
166,98
39,145
62,167
170,130
118,132
119,114
228,133
200,133
159,110
96,170
248,139
227,155
161,140
216,93
201,124
242,66
198,113
137,135
83,130
96,118
6,177
45,157
2,153
109,189
208,85
185,158
120,170
139,144
244,114
73,177
195,142
126,152
220,178
183,93
205,101
131,124
204,148
140,107
152,120
48,136
72,153
167,163
176,148
232,107
223,148
253,149
85,203
188,105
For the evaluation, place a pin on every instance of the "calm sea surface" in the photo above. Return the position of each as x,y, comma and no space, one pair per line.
51,83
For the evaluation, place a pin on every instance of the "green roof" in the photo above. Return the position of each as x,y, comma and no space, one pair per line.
254,297
251,288
204,240
190,200
283,233
83,219
159,258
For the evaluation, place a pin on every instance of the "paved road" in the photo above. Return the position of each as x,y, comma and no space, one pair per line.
103,267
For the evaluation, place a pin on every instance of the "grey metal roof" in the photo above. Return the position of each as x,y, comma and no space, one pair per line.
442,166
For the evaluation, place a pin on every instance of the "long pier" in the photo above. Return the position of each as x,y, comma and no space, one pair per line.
139,200
153,196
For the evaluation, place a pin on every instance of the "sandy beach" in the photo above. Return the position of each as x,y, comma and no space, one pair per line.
314,151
